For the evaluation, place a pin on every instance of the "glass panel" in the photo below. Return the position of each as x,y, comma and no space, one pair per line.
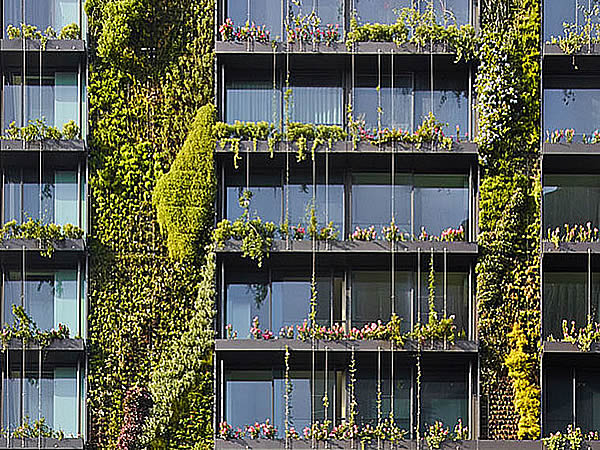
450,100
12,99
444,396
587,399
261,12
571,199
39,299
457,298
65,400
366,396
244,302
366,101
252,101
65,101
291,302
372,197
266,201
42,13
253,390
565,298
12,195
376,11
329,201
329,11
65,197
300,399
573,107
371,297
65,300
558,395
441,201
449,11
12,295
557,12
317,98
65,12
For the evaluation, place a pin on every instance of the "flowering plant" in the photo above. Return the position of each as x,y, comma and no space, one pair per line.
573,233
292,433
436,434
461,432
226,431
374,331
248,32
317,431
298,232
230,332
393,233
257,333
363,234
448,235
286,332
345,431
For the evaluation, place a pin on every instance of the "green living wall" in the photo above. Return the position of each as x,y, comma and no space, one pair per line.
151,65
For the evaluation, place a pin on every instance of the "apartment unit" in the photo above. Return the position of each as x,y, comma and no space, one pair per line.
43,161
361,190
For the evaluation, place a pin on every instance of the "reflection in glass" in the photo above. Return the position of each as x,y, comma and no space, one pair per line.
266,200
367,392
53,397
329,11
377,11
571,199
316,98
41,13
566,298
558,397
261,12
444,396
52,98
558,12
253,390
574,107
587,399
49,298
57,197
251,99
244,303
371,297
448,12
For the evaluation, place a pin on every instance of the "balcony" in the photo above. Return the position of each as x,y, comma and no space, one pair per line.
41,443
405,445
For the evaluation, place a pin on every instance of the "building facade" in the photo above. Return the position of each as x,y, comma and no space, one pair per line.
405,214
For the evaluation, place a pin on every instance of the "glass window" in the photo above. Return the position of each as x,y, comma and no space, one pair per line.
253,390
329,11
449,11
571,199
266,201
42,13
565,298
316,98
571,103
366,101
57,196
49,298
558,12
371,297
329,201
456,302
444,396
300,399
372,199
441,201
366,396
244,303
251,99
261,12
51,98
377,11
450,100
54,398
587,399
558,396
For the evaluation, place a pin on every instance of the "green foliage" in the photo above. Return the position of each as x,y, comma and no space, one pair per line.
35,429
26,330
419,28
508,282
256,236
37,130
584,337
184,196
572,439
576,35
522,363
180,370
70,31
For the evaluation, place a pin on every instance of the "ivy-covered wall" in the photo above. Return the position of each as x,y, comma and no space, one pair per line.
508,280
151,65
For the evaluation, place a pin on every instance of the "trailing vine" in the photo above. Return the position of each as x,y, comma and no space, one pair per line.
27,331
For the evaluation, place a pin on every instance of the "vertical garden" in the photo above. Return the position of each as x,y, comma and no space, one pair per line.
151,289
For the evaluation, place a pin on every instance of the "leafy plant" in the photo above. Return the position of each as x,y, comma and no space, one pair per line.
247,32
46,234
572,439
70,31
36,429
583,337
27,331
38,130
436,434
573,233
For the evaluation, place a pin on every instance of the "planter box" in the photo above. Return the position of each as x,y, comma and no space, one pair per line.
52,45
571,247
71,344
586,50
13,145
34,244
42,443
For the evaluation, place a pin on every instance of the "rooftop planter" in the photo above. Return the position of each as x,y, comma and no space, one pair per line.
236,345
